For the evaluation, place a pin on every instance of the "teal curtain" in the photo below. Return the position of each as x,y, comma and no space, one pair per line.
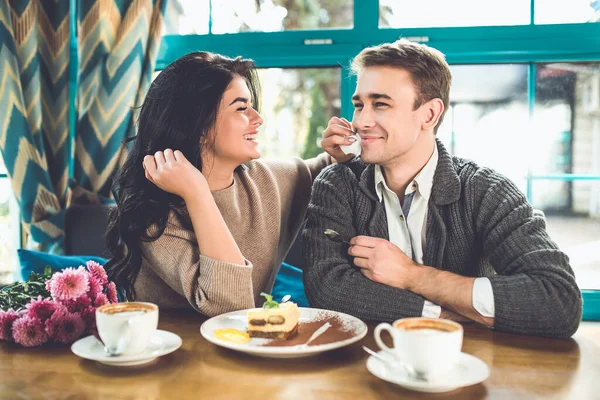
117,44
34,111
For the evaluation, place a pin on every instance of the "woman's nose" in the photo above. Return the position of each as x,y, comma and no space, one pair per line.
257,119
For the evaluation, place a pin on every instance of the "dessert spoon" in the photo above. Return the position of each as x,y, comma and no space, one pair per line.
315,335
336,237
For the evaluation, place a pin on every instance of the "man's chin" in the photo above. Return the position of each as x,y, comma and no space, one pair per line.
369,158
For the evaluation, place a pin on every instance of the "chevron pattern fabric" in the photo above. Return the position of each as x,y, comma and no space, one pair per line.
118,45
118,42
34,112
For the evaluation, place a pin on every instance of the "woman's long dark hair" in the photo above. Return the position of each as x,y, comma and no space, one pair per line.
180,108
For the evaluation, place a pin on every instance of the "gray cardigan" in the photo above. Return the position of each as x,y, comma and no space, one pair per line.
479,224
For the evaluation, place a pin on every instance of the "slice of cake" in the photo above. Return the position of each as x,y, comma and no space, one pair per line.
274,320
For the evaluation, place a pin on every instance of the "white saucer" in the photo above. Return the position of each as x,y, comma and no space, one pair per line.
161,343
469,371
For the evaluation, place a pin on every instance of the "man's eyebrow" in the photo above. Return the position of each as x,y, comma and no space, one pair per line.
372,96
242,99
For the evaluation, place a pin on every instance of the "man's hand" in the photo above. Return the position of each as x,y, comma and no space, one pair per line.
336,135
382,261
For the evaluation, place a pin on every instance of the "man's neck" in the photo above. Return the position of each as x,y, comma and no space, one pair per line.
218,174
400,172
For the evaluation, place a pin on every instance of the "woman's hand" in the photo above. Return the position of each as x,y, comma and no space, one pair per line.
336,135
173,173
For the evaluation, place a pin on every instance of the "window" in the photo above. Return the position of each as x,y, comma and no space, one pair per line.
553,147
296,106
566,11
9,232
488,118
448,13
566,161
231,16
186,17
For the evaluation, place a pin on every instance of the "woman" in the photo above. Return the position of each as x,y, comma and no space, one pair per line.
199,223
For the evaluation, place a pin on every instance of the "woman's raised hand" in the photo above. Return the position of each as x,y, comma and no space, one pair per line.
173,173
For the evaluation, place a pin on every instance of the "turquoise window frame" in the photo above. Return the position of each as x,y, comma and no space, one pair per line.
528,44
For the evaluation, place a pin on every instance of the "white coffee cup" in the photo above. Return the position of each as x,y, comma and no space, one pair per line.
429,347
126,328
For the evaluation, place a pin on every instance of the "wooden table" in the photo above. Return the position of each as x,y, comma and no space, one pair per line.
521,368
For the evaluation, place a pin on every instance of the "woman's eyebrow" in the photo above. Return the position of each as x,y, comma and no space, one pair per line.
242,99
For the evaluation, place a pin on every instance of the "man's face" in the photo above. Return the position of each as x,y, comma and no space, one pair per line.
384,114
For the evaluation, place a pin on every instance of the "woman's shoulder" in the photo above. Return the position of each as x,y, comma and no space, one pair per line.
277,169
292,167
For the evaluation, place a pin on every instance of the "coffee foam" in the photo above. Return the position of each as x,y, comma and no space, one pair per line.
426,325
129,308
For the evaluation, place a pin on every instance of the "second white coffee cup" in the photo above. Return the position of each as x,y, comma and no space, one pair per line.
429,347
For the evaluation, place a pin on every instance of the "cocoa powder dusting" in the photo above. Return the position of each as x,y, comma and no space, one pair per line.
338,331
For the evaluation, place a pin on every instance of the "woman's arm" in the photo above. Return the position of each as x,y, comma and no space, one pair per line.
210,286
173,173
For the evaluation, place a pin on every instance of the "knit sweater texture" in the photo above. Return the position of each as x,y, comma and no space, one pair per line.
264,209
479,225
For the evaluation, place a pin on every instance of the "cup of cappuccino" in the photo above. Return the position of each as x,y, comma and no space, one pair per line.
429,347
126,328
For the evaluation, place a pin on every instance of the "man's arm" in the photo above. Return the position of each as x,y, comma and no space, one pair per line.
451,291
331,280
534,290
383,262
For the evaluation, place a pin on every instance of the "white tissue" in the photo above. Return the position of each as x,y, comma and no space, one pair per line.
353,148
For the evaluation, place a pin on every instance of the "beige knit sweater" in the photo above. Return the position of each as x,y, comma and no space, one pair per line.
264,209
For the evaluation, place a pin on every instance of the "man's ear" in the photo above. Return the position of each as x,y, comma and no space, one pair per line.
433,111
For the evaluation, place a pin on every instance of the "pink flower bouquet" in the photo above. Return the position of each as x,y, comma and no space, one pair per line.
64,316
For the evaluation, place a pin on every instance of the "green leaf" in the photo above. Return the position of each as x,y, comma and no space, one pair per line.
270,303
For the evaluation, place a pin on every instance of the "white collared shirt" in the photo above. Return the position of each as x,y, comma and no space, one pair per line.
409,233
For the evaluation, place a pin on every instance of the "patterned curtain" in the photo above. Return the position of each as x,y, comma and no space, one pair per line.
34,112
118,42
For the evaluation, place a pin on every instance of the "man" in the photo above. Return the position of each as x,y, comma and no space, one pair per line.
430,234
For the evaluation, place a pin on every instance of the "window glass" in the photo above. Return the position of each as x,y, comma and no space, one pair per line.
297,104
566,11
186,17
9,232
452,13
231,16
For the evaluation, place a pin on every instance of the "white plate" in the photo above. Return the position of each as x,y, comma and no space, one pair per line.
239,320
469,371
161,343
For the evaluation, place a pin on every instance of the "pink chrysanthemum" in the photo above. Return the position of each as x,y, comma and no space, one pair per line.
101,300
89,317
96,287
7,318
111,293
69,284
29,332
97,271
78,305
65,327
41,309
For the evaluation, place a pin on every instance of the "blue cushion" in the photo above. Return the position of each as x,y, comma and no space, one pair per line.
36,261
289,281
